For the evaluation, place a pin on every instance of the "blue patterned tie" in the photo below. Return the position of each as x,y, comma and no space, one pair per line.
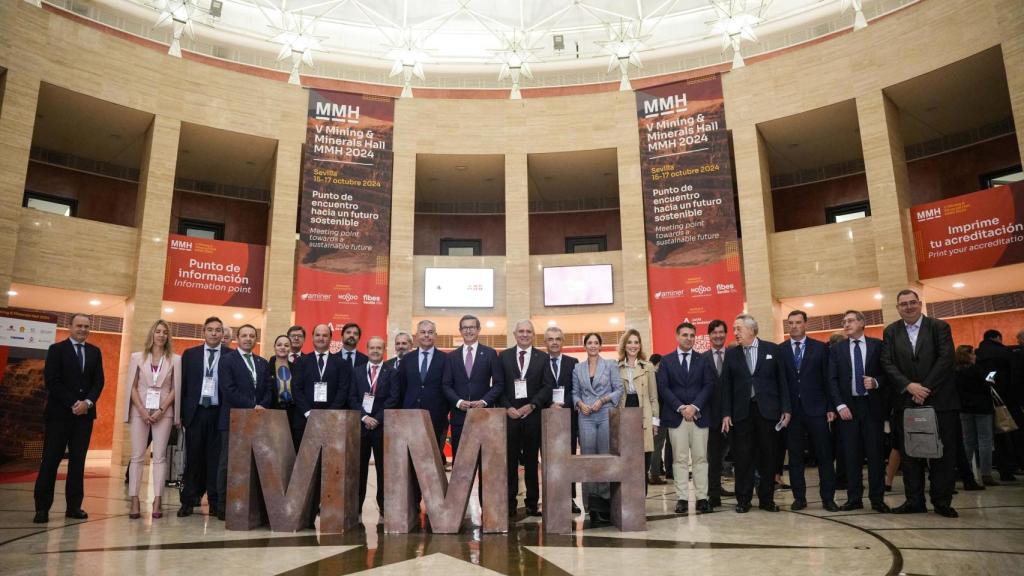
424,365
798,356
858,369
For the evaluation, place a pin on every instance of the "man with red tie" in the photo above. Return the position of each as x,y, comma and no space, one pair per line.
374,384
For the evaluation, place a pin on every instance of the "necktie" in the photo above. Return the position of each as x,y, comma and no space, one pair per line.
348,358
522,360
373,380
320,361
81,356
424,364
858,369
554,369
718,362
469,361
211,354
252,367
798,355
292,357
749,352
684,361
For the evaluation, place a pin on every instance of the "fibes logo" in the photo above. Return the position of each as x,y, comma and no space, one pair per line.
370,299
181,245
347,297
315,297
669,294
929,214
701,290
725,288
337,112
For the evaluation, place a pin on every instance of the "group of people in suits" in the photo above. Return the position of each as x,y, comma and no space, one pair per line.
740,395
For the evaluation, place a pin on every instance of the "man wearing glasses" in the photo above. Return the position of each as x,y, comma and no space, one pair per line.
473,377
917,357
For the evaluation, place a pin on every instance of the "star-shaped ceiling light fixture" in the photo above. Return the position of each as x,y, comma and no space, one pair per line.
623,45
408,59
859,21
736,23
515,60
295,34
177,14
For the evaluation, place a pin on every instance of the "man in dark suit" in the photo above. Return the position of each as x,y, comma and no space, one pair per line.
806,363
296,339
561,394
917,356
718,443
856,386
351,333
373,383
243,382
403,342
527,391
755,399
200,415
992,356
73,375
322,381
685,382
419,381
472,378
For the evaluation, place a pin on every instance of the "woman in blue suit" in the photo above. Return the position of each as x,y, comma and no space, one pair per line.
596,386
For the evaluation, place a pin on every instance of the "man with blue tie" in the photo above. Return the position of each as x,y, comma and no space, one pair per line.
718,443
243,383
856,384
419,381
561,395
806,363
351,333
473,377
200,415
755,400
73,374
373,384
322,381
685,382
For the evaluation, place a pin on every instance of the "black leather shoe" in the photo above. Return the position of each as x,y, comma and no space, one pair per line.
703,507
575,508
830,507
769,507
742,508
972,486
184,511
682,507
881,507
851,505
533,512
41,518
946,511
715,502
214,511
727,493
798,504
908,508
76,514
512,509
888,487
221,516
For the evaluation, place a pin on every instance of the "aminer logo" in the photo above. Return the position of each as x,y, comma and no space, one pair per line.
664,106
929,214
337,112
315,297
181,245
669,294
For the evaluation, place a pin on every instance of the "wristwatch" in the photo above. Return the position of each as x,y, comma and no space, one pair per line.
89,402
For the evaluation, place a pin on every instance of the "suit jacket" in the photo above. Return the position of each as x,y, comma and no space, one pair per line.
193,369
341,393
426,393
236,388
768,382
539,380
606,381
361,359
384,398
676,388
840,377
566,364
390,363
647,395
808,386
714,410
485,383
170,370
66,382
991,356
930,363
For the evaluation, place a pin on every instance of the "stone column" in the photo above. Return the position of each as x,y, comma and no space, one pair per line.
280,272
517,242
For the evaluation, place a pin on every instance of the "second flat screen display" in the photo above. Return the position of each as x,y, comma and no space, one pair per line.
578,285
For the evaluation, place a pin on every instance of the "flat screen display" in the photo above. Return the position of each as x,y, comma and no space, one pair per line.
458,288
578,285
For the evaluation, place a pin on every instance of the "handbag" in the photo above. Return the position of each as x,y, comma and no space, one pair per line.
921,433
1002,420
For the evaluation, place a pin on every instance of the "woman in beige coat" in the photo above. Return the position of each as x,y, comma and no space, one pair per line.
641,390
154,387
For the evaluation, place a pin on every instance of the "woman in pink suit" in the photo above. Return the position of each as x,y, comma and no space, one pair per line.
155,377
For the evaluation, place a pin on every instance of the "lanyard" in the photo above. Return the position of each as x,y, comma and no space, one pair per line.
156,373
372,377
212,361
319,369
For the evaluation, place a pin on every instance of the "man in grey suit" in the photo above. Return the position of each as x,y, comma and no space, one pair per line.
917,356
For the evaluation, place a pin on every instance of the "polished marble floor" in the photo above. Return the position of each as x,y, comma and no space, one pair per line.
988,538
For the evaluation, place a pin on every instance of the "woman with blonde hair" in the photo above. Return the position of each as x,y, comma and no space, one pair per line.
640,387
154,375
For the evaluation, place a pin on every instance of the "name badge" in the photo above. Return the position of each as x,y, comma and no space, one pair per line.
368,403
520,388
209,386
558,395
153,399
319,391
